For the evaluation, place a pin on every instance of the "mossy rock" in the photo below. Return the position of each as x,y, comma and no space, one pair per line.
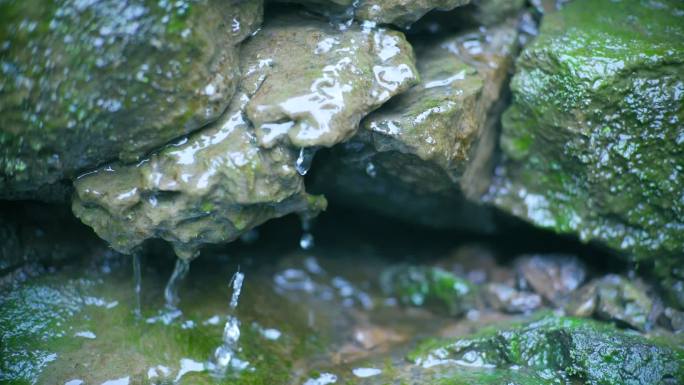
84,83
593,139
556,350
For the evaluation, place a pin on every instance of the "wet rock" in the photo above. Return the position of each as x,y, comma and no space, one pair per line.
431,287
553,350
552,276
615,298
674,319
505,298
313,83
401,13
421,154
84,83
592,142
477,13
305,84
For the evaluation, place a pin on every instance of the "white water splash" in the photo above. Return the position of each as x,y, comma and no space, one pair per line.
226,354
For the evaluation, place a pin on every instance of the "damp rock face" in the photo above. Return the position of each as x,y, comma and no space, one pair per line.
401,13
87,82
593,142
421,154
556,350
305,84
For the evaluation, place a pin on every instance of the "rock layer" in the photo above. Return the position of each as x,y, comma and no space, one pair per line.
305,84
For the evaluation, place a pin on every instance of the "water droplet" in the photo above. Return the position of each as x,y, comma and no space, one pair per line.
306,242
370,170
137,279
303,163
171,291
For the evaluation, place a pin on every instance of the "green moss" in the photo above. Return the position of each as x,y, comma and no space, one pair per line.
593,140
562,350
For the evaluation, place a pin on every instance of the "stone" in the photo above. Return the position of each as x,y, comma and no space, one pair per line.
553,276
505,298
593,140
245,169
423,153
431,287
615,298
551,350
84,83
401,13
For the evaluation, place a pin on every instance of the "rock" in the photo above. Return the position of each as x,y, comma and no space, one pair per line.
505,298
674,319
551,350
84,83
473,15
401,13
593,139
432,287
243,170
418,156
615,298
552,276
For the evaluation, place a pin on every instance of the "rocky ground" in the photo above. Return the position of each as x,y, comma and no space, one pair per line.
524,161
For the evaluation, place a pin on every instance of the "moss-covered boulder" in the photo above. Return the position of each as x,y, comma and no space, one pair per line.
594,140
419,156
85,82
305,84
553,350
431,287
401,13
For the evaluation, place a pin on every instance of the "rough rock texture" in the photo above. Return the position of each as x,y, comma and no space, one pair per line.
594,138
305,84
420,154
85,82
555,350
476,13
401,13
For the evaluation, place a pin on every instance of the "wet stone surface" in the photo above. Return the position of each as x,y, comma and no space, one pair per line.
69,101
247,168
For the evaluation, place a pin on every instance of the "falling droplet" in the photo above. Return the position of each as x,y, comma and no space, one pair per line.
226,353
137,279
304,160
306,242
171,291
370,170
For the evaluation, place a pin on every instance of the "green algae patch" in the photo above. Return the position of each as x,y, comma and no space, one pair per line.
85,83
593,139
559,350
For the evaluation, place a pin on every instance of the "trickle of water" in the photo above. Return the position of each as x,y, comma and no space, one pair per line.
226,353
303,163
306,242
171,291
137,279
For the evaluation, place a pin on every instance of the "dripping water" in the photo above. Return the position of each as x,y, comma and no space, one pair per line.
306,242
303,163
225,354
137,279
171,291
